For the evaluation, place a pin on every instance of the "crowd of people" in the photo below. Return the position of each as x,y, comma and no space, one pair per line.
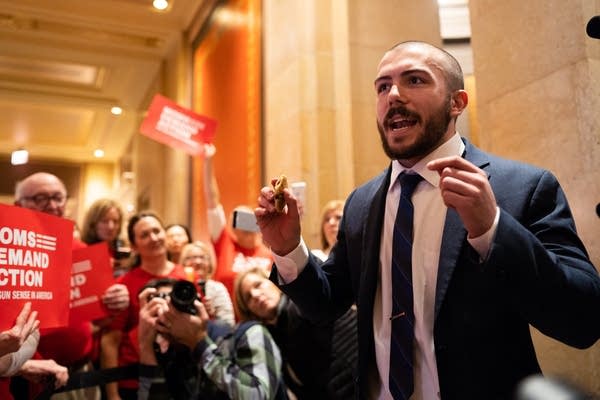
211,348
376,312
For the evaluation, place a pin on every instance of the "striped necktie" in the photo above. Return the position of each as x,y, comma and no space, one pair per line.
403,319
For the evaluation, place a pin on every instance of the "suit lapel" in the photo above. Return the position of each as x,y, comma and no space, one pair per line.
455,235
371,244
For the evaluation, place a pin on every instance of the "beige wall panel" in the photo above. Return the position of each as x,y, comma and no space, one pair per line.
284,32
369,158
98,181
383,23
177,168
177,187
538,98
148,166
363,64
534,37
307,100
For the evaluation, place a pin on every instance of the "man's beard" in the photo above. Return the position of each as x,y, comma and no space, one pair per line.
433,132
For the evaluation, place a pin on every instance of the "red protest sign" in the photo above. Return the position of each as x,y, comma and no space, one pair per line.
35,265
91,275
178,127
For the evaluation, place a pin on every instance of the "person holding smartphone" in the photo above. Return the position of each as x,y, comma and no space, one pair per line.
240,247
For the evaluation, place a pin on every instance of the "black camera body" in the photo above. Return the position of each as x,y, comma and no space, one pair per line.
183,295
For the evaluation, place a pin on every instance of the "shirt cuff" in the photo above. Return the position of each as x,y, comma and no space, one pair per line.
292,264
483,243
216,221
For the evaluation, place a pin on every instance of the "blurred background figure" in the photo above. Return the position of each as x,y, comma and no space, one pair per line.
119,345
538,387
236,249
319,358
330,222
177,236
198,258
103,222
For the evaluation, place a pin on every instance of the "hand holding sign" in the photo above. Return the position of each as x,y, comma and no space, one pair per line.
35,263
90,276
116,297
11,340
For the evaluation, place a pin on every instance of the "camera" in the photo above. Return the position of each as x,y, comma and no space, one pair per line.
162,295
183,295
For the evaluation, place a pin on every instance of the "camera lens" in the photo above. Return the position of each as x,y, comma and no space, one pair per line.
183,295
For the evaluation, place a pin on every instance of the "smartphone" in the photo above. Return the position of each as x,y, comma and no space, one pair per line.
245,220
299,191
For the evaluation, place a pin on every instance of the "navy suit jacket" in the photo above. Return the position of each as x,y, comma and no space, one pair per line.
537,272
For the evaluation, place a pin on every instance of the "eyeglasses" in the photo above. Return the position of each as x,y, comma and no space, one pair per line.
200,258
43,199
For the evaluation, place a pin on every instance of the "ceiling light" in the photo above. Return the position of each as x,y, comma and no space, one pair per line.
116,110
98,153
160,4
19,157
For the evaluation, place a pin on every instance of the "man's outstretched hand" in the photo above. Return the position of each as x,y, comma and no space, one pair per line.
280,230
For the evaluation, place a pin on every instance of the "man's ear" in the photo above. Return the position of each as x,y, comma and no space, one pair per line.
459,102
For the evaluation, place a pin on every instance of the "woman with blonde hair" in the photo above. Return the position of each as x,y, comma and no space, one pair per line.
331,216
102,223
198,260
319,358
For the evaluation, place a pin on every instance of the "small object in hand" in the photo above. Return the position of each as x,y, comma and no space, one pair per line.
278,197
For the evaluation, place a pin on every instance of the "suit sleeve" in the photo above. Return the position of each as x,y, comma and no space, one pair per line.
547,272
323,290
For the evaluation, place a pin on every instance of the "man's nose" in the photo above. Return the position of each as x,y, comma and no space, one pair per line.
396,95
52,202
55,206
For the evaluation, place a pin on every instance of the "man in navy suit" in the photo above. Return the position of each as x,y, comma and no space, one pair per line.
494,248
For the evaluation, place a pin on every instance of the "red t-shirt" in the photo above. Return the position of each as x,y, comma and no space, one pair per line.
127,320
233,259
5,389
77,334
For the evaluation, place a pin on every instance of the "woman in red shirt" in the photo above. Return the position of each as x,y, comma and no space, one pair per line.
119,345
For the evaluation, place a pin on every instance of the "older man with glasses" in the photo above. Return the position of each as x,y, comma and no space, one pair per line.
46,193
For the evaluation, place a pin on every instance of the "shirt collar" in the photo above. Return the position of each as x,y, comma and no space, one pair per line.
452,147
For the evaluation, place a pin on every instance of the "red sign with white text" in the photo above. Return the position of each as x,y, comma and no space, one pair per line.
35,265
178,127
90,277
